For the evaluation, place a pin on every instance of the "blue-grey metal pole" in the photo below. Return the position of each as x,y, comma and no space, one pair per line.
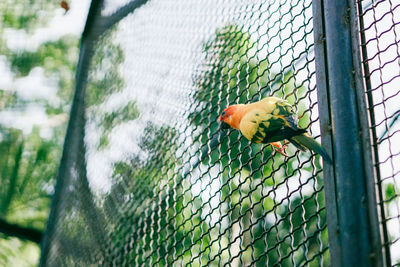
353,224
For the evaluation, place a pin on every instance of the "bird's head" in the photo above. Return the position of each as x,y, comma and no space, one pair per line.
229,117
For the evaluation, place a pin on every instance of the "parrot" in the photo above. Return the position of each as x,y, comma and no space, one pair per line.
270,121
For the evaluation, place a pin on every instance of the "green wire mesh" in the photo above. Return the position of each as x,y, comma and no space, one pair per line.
380,38
151,178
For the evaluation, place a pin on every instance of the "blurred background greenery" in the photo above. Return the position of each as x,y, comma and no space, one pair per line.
35,99
184,192
38,54
235,202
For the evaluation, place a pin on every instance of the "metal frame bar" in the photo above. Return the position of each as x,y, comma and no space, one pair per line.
71,146
95,26
367,137
107,22
353,224
75,126
325,121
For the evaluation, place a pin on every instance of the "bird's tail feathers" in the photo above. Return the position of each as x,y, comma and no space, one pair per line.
304,141
297,144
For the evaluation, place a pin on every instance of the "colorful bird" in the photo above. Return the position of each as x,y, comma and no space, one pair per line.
270,121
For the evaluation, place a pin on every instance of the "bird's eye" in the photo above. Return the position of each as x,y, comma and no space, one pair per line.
223,114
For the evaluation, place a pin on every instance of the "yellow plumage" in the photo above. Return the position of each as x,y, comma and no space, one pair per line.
270,120
249,125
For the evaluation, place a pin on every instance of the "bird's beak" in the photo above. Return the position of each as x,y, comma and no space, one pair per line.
224,125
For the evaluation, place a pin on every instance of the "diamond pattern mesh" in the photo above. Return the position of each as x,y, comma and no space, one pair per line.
380,33
153,180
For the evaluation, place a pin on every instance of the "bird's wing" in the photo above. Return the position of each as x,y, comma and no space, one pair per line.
284,109
278,106
249,125
257,125
262,127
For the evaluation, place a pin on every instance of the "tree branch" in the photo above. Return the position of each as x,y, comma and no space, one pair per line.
15,230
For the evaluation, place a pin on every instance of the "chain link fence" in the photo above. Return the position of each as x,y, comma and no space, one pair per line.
380,37
149,178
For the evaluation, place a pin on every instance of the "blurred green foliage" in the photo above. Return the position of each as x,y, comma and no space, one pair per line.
105,77
233,75
86,217
154,193
28,169
390,192
27,15
110,120
7,99
181,227
29,158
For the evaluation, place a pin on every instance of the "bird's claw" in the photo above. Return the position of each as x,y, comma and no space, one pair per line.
285,143
281,150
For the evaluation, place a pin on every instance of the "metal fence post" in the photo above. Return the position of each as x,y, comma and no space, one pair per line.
75,126
353,226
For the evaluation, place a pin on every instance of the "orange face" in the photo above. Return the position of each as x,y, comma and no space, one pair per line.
227,115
